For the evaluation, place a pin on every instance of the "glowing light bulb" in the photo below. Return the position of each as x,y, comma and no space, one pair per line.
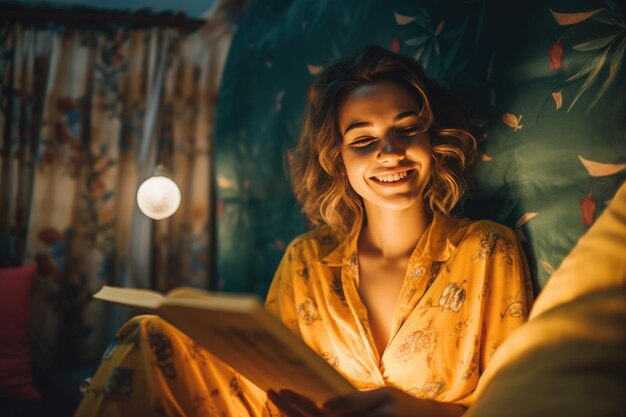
158,197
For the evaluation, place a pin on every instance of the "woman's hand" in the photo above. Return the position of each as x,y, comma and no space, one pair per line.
381,402
294,405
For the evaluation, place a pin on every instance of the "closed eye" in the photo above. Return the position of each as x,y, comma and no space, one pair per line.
362,142
410,131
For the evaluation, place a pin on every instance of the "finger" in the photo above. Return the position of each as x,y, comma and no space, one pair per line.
302,403
283,405
358,402
382,410
293,404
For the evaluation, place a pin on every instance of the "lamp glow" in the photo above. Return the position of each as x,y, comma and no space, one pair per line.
158,197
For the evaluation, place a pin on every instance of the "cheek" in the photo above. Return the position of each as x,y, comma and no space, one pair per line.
355,167
355,174
422,153
429,164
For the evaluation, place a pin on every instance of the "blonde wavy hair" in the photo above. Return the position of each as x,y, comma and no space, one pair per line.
316,169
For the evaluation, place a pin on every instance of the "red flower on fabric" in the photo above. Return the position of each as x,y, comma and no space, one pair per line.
97,187
556,55
587,209
49,235
395,45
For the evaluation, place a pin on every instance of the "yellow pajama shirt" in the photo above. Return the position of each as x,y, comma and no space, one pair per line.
466,289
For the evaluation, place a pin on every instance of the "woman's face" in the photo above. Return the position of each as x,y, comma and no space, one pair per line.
386,155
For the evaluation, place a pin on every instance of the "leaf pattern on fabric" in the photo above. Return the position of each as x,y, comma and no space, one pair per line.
492,242
428,43
512,121
429,389
108,353
353,264
423,340
525,218
337,287
470,363
161,347
460,331
558,99
606,51
417,272
278,100
331,358
436,41
119,385
224,182
314,69
601,169
196,352
129,333
403,20
546,267
304,271
433,273
515,310
307,311
237,391
565,19
326,240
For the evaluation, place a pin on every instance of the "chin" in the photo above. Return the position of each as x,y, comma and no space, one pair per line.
397,204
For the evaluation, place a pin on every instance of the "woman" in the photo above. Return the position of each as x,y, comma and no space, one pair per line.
406,301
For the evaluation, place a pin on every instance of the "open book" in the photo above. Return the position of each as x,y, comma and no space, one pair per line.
239,331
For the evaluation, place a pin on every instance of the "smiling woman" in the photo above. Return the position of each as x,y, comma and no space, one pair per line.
404,300
425,297
347,102
386,153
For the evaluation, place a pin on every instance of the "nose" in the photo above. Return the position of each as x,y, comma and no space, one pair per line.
391,150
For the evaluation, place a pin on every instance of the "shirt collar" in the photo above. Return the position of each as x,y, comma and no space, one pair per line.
342,252
438,242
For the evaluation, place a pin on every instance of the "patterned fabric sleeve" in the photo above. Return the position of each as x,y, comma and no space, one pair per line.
499,293
508,291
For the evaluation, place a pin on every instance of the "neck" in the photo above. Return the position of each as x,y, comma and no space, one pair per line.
393,233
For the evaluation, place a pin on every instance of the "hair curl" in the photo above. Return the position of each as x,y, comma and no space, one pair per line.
317,170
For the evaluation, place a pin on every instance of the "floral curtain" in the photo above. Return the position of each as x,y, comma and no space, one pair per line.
86,115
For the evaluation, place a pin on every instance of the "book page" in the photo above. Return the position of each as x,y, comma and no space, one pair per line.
134,297
241,333
262,349
188,292
201,299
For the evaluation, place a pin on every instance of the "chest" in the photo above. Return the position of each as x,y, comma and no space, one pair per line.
380,284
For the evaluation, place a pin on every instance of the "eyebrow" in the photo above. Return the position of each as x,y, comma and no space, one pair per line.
404,115
399,117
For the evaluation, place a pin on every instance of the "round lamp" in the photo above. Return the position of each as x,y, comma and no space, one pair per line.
158,197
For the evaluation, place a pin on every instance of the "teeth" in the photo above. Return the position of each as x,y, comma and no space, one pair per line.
392,177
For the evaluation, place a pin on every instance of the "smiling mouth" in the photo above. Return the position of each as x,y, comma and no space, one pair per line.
397,177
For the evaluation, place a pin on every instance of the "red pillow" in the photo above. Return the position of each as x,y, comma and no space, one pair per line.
16,377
